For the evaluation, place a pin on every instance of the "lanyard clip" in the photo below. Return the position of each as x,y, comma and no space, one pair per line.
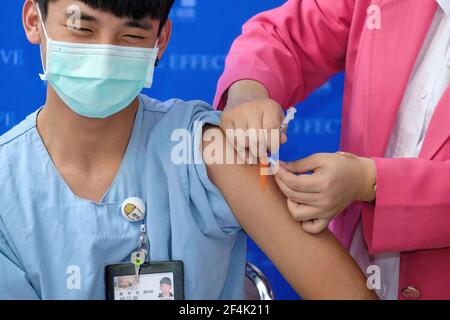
139,257
144,243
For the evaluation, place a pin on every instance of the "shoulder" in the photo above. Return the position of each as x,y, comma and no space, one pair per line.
175,118
176,113
17,133
15,152
15,143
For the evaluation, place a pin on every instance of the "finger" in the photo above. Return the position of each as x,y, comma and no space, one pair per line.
283,133
240,151
308,164
240,131
240,148
289,193
226,120
263,147
306,183
253,139
303,212
346,154
285,129
227,124
236,135
249,158
284,138
271,123
311,199
315,226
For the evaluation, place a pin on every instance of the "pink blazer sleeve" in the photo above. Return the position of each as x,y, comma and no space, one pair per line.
291,50
415,216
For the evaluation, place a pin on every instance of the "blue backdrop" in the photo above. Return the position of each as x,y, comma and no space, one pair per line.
203,33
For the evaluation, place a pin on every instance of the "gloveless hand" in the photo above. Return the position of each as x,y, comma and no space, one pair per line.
249,107
336,180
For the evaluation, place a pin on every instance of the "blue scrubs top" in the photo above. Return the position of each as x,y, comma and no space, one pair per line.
47,232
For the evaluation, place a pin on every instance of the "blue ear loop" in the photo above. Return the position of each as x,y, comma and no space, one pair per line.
42,76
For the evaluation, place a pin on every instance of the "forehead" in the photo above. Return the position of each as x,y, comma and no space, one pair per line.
78,13
98,9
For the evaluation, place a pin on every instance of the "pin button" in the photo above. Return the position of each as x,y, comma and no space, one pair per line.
133,209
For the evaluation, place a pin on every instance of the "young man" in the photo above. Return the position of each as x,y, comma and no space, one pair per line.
67,169
166,289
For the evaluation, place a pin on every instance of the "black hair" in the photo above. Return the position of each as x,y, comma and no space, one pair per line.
166,280
135,9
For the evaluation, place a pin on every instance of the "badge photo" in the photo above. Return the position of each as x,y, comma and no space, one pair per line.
156,281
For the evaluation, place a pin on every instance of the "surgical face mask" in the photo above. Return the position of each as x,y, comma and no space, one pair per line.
97,80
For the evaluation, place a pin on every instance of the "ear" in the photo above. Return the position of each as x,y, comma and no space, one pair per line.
164,38
31,22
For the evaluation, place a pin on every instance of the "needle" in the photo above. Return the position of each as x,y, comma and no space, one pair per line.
290,115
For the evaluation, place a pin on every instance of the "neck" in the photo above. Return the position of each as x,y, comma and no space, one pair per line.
81,141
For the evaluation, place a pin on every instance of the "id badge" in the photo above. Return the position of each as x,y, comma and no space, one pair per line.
156,281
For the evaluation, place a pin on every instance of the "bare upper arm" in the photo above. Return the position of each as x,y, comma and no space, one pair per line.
317,266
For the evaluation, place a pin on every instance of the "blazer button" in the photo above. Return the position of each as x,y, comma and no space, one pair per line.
410,292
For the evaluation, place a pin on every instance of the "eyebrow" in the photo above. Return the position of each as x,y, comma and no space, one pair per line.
84,17
141,24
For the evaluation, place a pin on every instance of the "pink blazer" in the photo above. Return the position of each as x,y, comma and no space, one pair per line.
294,49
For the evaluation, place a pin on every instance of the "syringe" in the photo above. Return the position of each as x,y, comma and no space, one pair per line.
290,115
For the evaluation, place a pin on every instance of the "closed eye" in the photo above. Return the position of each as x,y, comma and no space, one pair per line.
133,36
84,30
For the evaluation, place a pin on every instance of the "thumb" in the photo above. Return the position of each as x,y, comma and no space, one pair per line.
315,226
284,138
303,165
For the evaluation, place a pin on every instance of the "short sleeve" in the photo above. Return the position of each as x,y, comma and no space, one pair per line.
190,188
212,195
14,282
